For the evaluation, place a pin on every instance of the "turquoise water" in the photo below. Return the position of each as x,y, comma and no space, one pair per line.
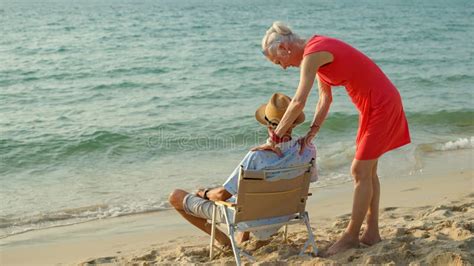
107,106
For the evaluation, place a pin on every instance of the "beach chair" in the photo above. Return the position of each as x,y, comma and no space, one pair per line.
260,198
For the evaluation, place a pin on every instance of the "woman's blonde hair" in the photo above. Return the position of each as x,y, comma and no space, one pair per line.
277,33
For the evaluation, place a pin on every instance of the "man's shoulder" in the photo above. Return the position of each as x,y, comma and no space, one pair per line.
259,159
270,156
254,155
311,147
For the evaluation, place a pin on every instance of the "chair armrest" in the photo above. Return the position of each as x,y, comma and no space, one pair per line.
310,194
225,203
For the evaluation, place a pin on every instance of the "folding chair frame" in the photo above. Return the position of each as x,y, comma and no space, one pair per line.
232,228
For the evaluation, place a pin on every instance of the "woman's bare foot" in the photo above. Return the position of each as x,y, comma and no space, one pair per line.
370,239
344,243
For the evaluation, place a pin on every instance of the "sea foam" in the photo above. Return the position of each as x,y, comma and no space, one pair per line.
459,144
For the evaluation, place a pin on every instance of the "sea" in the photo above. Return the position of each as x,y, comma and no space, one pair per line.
107,106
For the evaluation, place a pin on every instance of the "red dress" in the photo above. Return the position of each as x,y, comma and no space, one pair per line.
382,122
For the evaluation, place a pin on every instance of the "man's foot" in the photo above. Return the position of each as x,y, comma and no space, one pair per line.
254,245
225,244
242,237
370,239
223,240
344,243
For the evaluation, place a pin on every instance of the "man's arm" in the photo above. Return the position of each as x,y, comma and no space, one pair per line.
215,194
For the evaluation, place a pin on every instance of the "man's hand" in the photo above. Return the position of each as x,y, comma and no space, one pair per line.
268,147
200,192
214,194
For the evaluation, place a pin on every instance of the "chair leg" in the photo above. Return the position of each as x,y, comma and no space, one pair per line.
231,230
285,234
304,248
310,236
213,232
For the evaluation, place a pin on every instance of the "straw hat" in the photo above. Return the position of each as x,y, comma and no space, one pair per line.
275,109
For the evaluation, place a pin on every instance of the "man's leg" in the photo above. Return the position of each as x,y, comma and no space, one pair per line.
363,190
371,234
176,200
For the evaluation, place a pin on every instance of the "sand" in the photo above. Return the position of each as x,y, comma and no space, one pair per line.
425,219
429,235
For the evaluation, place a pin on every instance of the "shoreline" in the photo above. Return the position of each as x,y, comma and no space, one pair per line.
404,161
122,238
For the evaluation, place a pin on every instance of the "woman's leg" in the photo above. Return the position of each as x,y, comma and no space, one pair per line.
363,189
371,234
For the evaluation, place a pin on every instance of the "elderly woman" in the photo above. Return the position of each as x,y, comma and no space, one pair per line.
382,123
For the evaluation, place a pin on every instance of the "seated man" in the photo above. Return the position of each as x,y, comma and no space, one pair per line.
197,208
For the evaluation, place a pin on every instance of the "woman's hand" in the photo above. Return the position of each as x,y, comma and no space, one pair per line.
269,146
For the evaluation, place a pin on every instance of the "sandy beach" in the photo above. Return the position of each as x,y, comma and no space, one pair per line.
426,218
109,106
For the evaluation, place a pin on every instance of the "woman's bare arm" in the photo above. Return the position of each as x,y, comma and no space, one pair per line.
322,108
309,68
